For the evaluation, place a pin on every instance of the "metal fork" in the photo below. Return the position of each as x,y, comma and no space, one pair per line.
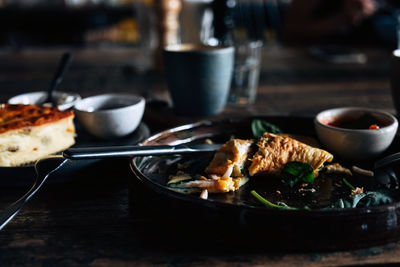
43,171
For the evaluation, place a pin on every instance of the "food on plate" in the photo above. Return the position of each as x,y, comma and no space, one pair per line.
213,184
295,172
280,170
362,171
274,151
308,140
225,171
337,168
230,159
30,132
237,160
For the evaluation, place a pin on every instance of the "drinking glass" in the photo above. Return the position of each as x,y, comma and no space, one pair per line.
246,73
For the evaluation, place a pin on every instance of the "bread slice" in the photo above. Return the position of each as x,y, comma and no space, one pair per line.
29,132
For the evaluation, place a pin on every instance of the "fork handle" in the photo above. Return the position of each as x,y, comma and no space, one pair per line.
9,213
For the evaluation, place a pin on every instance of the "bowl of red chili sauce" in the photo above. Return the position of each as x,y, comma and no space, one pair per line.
355,133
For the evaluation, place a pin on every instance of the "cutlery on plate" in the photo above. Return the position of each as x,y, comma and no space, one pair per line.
53,163
58,77
134,151
43,171
388,160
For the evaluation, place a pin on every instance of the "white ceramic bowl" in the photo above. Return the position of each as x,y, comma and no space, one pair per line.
65,100
355,144
110,115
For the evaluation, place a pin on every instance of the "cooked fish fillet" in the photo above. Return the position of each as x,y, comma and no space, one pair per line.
28,133
230,158
274,151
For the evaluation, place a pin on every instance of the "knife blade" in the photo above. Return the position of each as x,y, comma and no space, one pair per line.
134,151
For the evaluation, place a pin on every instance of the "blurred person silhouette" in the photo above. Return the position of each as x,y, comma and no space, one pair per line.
344,21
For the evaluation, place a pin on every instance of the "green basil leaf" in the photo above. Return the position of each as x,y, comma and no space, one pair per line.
278,205
296,171
259,127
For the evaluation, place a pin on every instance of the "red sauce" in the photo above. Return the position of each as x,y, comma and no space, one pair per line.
374,127
364,121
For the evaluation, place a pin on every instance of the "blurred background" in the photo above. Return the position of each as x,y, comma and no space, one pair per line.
130,34
124,22
110,23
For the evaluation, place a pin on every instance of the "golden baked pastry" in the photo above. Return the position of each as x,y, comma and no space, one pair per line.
30,132
274,151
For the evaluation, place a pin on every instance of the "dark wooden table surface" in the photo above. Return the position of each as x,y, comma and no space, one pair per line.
89,219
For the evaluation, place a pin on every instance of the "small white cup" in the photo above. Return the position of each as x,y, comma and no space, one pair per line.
110,115
355,144
65,100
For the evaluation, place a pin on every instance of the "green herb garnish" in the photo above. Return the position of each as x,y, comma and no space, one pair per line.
259,127
348,184
279,205
296,171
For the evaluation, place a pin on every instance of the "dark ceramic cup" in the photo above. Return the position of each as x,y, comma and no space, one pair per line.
198,77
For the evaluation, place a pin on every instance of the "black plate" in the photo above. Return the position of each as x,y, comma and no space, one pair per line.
22,176
236,217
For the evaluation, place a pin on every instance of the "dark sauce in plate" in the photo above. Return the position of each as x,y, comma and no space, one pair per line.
363,122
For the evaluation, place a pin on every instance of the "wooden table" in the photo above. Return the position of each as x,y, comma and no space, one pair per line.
90,219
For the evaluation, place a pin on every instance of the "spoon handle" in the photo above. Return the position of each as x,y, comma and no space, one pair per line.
58,75
387,160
